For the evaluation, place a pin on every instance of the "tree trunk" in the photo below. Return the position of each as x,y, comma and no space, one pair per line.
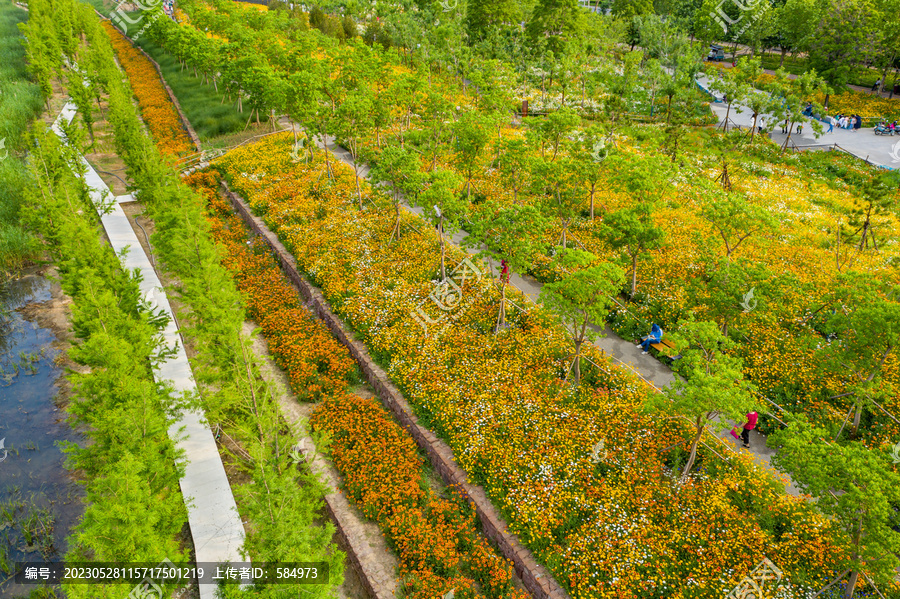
576,367
593,188
884,73
788,138
634,261
783,52
441,233
693,457
501,317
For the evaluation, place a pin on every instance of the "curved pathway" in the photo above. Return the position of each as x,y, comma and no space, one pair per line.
216,527
622,351
879,150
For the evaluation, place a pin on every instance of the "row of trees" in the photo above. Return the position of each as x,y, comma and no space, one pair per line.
837,35
552,173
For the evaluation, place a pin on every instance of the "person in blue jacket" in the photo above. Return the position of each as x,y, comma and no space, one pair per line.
655,336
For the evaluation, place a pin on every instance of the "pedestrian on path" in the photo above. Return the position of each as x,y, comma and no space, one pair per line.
784,127
877,83
799,128
746,428
858,123
830,124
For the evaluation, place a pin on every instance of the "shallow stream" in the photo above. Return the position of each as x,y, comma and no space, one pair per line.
39,500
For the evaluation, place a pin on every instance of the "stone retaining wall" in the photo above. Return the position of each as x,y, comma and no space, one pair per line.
536,578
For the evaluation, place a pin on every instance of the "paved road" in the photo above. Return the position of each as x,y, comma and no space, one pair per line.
877,149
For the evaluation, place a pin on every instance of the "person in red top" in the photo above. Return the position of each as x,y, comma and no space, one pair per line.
748,426
504,274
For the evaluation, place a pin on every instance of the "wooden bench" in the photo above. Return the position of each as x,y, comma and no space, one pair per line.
661,347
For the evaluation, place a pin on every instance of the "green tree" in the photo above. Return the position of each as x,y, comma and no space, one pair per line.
472,132
735,219
553,129
713,383
797,21
510,232
485,16
845,36
80,91
399,169
632,229
795,94
354,123
515,165
855,488
866,321
879,198
561,197
555,24
589,155
442,206
581,298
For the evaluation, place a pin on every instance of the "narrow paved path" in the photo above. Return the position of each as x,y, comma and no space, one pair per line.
216,527
880,150
622,351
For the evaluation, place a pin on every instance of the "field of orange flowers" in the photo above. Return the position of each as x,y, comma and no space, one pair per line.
435,537
619,527
156,107
792,266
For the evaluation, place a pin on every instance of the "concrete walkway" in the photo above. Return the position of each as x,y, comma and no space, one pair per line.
880,150
216,527
622,351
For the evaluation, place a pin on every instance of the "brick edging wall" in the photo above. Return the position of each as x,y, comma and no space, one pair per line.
372,573
536,578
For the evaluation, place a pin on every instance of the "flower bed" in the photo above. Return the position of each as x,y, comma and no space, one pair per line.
613,528
435,538
156,107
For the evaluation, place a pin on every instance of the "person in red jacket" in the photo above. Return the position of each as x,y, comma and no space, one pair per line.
748,426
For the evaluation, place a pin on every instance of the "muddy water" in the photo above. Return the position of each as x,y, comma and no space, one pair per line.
39,501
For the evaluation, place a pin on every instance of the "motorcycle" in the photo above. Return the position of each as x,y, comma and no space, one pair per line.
883,128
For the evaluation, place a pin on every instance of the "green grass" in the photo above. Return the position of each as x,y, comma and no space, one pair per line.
201,103
20,103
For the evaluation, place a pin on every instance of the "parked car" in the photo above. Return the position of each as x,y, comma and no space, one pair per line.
716,53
